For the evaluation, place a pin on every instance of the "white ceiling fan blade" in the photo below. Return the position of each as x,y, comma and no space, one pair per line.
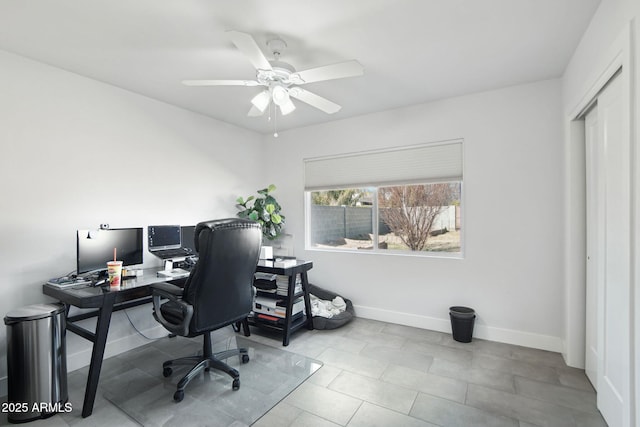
247,45
314,100
255,112
329,72
220,83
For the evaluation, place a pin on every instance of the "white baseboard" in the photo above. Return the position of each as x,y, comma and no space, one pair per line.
508,336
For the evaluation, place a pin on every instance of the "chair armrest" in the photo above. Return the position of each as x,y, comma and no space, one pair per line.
166,288
174,294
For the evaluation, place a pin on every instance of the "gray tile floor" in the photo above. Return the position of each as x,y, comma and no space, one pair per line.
382,374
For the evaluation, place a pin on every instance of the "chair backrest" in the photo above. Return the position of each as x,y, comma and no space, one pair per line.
220,285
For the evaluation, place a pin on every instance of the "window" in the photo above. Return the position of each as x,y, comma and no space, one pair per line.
411,202
420,217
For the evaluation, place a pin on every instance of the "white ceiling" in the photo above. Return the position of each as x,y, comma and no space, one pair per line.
413,51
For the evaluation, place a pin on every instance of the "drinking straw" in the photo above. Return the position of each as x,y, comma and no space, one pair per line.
114,254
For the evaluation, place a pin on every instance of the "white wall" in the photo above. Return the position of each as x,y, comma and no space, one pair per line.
77,153
593,55
512,271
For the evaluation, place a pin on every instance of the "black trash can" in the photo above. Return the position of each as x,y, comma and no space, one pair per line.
36,362
462,320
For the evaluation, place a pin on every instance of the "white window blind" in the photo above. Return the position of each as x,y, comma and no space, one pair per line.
420,164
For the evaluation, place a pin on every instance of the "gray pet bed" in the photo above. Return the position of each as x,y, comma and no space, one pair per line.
335,321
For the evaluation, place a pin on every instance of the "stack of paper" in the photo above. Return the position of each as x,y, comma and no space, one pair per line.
282,283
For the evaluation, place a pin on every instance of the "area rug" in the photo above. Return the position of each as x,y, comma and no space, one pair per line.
147,397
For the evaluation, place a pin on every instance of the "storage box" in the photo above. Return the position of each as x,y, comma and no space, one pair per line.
266,252
276,307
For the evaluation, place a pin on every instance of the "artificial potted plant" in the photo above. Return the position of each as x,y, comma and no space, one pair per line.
264,209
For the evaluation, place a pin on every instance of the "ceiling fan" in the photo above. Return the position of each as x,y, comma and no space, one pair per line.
280,80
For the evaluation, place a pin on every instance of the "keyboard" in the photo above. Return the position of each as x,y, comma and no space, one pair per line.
172,253
65,282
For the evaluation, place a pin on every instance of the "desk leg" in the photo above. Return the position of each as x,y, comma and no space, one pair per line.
102,330
307,300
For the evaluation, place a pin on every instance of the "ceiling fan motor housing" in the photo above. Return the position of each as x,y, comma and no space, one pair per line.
281,73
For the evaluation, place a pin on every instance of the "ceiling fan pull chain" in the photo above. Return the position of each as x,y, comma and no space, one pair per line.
275,122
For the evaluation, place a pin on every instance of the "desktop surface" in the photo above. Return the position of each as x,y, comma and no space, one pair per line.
270,266
89,296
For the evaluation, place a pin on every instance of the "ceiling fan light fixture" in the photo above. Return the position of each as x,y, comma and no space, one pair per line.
287,107
261,100
280,95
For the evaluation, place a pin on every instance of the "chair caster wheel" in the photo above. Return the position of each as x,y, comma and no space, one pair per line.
166,372
178,396
236,384
245,358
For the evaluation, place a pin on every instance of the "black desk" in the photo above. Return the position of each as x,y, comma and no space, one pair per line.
132,293
300,267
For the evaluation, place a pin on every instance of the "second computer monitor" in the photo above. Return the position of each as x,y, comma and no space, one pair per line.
163,237
188,237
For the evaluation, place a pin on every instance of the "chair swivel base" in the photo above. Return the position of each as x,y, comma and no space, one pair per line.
205,362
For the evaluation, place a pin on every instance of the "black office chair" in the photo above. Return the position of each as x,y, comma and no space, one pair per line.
217,293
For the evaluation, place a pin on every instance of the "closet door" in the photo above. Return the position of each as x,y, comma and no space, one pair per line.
595,215
611,235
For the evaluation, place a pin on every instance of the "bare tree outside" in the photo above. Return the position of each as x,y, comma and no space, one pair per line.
410,210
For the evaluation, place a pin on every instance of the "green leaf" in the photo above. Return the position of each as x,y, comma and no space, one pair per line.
264,209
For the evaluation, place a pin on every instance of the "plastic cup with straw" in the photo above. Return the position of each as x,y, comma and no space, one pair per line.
114,269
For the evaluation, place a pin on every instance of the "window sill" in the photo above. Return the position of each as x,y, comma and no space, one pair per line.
386,252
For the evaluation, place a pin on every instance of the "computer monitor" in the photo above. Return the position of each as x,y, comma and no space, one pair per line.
188,237
95,248
163,237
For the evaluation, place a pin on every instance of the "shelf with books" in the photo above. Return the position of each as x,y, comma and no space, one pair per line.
282,295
